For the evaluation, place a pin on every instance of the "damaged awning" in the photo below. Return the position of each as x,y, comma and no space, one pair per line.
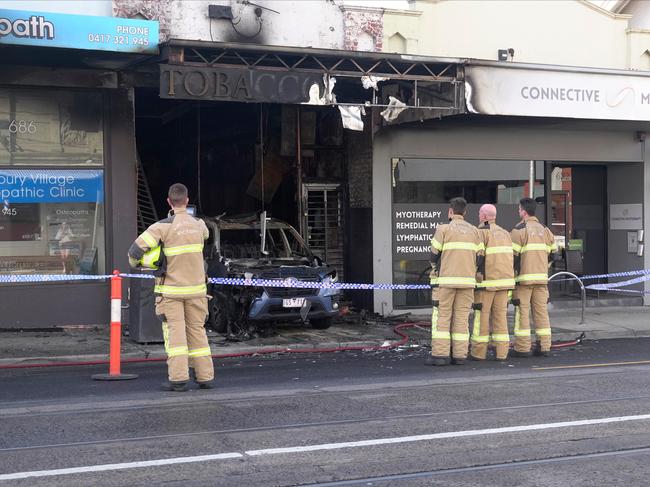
351,80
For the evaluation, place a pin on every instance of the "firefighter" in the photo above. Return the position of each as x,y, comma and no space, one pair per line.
181,301
533,245
454,250
495,279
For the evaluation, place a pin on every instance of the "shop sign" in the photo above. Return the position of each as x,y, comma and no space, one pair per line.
415,224
49,186
544,93
626,217
87,32
236,84
413,229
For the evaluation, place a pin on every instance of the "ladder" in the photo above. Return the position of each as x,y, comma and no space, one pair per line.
146,210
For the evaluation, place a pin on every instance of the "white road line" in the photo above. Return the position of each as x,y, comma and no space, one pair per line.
451,434
118,466
324,446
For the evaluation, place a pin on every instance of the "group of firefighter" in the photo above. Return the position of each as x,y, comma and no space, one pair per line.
483,269
471,268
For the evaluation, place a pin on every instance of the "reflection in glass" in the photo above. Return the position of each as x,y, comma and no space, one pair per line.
427,185
50,127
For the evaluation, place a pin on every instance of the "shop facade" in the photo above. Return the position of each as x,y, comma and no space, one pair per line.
584,161
67,161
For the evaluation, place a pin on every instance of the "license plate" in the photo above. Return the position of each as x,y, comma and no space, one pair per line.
293,303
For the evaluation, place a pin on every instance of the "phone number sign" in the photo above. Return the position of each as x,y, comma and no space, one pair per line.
28,28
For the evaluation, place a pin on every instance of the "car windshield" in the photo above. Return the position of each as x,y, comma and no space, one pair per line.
245,244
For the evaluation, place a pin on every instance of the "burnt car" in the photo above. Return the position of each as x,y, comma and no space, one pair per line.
257,247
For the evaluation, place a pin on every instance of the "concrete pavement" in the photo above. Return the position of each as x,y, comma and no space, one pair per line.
74,344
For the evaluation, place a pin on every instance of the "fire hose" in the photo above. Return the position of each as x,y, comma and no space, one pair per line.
398,330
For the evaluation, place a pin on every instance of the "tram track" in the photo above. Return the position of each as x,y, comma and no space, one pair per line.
481,468
56,408
318,424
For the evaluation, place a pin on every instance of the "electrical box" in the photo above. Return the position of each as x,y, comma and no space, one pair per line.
220,12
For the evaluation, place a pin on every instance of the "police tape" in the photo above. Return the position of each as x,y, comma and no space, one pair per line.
589,277
614,285
297,283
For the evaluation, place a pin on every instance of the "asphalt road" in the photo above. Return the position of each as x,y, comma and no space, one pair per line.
579,418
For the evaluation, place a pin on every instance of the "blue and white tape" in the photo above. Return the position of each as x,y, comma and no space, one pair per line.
643,275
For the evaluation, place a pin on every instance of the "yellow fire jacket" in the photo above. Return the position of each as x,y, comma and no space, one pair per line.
498,272
454,250
182,237
532,243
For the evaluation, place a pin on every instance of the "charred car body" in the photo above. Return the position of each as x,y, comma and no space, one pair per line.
256,247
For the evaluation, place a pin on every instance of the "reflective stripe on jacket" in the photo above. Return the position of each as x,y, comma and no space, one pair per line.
499,272
454,248
182,237
532,243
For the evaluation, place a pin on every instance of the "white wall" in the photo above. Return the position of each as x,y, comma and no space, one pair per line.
640,11
564,32
79,7
303,23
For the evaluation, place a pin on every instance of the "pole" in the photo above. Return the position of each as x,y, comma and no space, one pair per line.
531,179
114,372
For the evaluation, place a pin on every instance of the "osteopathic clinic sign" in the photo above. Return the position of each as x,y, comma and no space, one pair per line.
50,186
544,93
78,31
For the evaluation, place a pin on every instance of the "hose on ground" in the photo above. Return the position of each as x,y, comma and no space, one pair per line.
398,330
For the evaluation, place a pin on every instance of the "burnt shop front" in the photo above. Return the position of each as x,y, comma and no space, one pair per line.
67,162
587,166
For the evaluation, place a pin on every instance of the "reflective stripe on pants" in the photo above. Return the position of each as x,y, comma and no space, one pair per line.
491,324
450,335
186,342
532,298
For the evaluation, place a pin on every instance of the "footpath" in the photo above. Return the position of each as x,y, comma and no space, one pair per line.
91,343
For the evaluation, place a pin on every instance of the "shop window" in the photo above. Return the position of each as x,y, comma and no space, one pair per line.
50,128
51,216
421,190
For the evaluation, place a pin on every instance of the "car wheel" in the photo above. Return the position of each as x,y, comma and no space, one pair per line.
217,318
321,323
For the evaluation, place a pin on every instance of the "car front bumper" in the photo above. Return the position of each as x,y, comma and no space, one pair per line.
271,308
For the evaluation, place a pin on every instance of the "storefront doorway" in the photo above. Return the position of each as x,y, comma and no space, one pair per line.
576,196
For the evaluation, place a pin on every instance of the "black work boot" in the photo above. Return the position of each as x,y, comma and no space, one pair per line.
439,361
174,386
517,353
458,361
542,353
202,385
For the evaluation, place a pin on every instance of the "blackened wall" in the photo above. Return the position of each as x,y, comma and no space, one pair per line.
359,252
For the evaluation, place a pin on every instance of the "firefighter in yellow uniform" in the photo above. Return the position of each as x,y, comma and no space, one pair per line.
532,244
495,279
181,288
454,250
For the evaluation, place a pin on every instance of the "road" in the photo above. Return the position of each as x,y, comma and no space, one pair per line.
579,418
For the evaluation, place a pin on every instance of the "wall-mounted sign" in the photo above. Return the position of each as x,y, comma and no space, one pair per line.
235,84
543,93
626,217
415,224
50,186
78,31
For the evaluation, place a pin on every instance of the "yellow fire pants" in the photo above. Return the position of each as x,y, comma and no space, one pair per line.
533,297
490,323
186,342
449,321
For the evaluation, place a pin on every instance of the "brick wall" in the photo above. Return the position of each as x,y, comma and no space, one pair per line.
357,23
159,10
